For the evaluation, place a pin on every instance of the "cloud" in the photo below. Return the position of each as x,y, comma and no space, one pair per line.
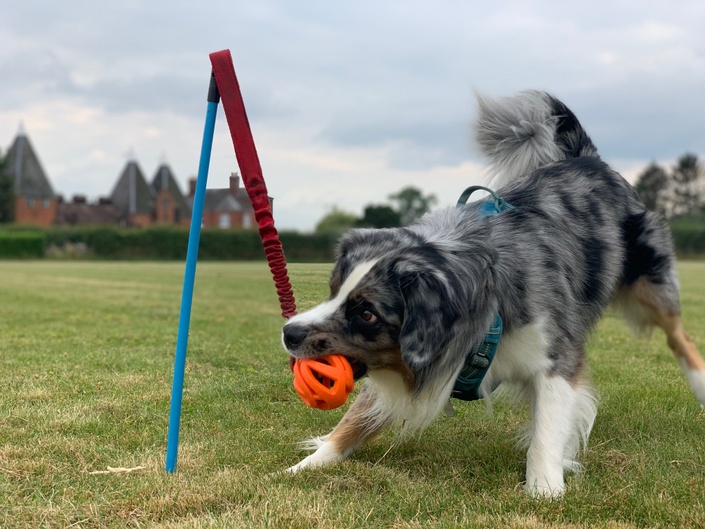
348,101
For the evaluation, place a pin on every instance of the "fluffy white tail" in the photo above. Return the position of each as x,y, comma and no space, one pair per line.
522,133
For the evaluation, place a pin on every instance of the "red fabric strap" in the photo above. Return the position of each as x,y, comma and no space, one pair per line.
252,177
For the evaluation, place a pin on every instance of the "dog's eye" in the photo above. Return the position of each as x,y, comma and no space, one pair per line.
368,316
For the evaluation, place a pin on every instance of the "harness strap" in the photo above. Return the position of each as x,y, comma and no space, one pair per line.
479,358
477,363
489,208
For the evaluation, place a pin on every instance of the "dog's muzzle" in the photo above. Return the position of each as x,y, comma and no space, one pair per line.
294,336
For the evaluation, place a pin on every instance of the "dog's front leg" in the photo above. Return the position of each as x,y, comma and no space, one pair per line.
553,409
362,421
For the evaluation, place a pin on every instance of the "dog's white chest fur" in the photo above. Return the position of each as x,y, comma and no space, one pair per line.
520,355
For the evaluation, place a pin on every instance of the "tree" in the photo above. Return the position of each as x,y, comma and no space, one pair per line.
652,186
687,193
412,204
380,217
7,193
336,221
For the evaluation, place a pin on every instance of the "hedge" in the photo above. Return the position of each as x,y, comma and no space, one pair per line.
171,243
21,245
689,238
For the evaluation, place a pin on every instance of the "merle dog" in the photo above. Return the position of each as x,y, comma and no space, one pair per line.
406,304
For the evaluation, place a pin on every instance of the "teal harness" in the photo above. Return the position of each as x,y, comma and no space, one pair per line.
479,358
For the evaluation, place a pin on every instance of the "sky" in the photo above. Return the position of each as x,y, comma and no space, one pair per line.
348,102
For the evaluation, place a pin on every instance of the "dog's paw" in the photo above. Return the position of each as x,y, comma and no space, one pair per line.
542,490
326,453
299,466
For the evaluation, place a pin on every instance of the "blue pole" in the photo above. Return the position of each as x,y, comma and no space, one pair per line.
177,389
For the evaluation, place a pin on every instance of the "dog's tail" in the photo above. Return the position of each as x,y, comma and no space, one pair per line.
522,133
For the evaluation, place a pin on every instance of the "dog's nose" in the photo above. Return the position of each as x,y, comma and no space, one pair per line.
294,336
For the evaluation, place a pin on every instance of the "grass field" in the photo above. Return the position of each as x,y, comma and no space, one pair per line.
86,359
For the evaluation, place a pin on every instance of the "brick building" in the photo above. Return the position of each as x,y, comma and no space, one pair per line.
170,205
35,201
81,212
132,203
228,207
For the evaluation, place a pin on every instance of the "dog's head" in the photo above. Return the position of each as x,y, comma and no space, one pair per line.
395,303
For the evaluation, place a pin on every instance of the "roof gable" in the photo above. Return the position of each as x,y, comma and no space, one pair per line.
26,169
164,180
131,192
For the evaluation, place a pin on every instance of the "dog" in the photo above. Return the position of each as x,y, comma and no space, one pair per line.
406,304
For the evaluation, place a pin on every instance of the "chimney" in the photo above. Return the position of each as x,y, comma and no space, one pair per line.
79,199
234,183
192,186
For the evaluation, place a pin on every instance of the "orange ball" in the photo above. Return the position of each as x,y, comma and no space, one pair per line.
325,382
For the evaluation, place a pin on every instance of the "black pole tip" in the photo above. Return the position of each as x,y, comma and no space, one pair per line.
213,94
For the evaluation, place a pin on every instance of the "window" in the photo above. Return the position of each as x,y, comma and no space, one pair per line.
224,221
246,221
30,202
45,203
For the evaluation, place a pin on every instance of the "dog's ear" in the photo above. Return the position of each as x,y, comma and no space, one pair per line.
431,310
435,302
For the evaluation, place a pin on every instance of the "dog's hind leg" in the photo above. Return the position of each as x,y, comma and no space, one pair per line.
649,295
647,303
363,420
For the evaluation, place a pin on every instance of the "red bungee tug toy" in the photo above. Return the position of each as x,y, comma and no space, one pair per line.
322,383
